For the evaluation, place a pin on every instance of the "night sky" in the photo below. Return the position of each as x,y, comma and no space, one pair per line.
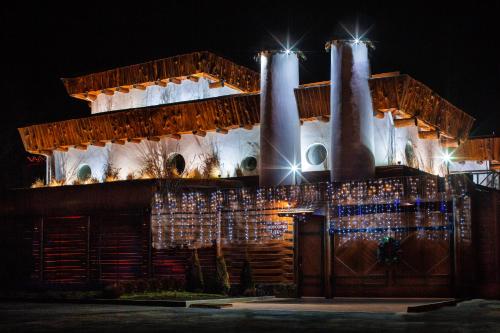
453,48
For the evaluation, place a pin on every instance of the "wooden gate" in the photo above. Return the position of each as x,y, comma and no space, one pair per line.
311,256
424,268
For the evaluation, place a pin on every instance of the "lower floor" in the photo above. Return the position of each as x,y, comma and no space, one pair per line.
83,236
309,261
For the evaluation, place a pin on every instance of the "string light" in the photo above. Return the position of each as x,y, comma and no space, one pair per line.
356,210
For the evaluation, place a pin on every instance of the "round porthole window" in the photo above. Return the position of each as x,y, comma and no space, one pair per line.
84,172
178,163
249,163
316,154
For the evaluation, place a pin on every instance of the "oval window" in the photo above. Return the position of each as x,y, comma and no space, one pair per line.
84,172
316,154
177,163
249,163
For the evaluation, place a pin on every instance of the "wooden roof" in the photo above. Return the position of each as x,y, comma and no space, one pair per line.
480,149
182,66
400,94
197,116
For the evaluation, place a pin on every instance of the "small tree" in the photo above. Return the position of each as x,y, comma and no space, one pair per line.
195,275
222,276
247,284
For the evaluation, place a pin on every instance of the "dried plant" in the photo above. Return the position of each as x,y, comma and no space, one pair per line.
38,183
92,180
238,170
57,182
67,168
155,161
110,172
210,166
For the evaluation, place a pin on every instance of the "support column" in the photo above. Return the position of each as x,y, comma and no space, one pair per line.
351,113
279,119
50,167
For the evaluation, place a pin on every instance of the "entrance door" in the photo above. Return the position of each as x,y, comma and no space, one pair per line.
310,258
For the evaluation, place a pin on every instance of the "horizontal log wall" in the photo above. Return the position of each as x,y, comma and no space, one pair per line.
172,67
96,249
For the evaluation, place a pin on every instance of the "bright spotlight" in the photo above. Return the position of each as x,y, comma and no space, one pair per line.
357,40
288,51
446,157
294,168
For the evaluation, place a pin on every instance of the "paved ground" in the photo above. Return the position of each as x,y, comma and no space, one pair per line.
339,304
470,316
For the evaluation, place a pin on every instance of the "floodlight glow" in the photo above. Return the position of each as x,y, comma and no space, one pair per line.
446,157
357,40
287,51
294,168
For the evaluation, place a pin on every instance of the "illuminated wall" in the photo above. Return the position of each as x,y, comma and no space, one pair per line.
233,152
154,95
227,153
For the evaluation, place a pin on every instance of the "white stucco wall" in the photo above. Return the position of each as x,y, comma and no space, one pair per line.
231,148
155,95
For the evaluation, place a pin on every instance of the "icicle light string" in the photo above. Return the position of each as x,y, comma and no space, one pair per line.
357,210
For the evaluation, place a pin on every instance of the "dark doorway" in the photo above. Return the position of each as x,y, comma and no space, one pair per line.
310,256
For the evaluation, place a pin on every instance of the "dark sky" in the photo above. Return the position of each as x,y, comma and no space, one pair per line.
451,47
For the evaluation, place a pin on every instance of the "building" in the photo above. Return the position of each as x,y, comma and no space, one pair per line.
315,182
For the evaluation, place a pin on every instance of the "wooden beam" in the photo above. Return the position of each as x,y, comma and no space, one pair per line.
135,140
450,143
221,130
108,92
175,136
99,143
387,74
378,114
90,97
199,132
161,83
123,90
63,149
175,80
193,78
248,127
81,147
139,86
324,119
118,141
399,123
428,135
392,110
154,138
424,126
216,84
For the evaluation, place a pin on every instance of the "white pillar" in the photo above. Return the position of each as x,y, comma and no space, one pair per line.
351,113
279,119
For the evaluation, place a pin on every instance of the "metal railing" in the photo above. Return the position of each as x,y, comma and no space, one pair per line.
487,178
